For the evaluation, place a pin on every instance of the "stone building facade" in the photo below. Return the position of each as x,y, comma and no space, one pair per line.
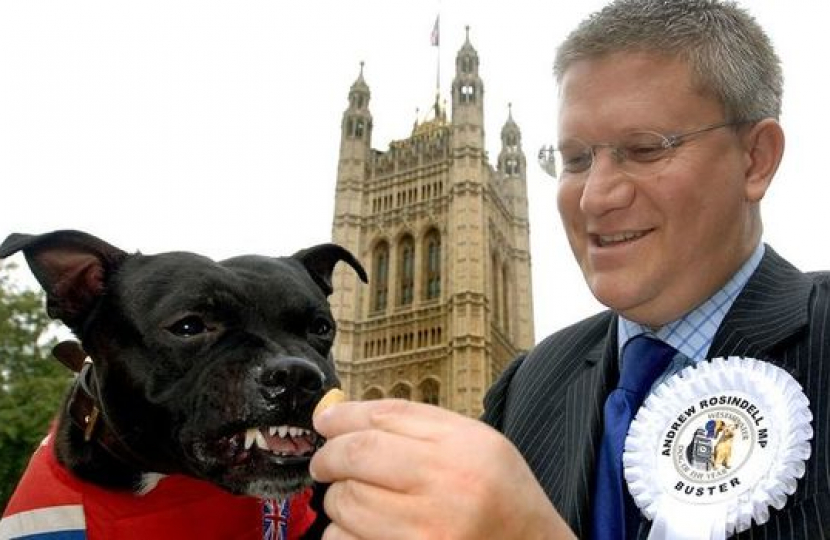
444,236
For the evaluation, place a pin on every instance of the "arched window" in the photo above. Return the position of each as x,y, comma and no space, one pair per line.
401,391
380,265
505,302
495,291
468,93
432,266
430,392
511,167
372,393
406,270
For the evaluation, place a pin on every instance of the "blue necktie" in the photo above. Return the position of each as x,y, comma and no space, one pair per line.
616,516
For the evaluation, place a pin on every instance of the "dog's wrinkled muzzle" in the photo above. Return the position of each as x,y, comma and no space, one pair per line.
263,435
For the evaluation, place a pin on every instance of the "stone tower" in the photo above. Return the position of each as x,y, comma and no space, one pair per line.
444,236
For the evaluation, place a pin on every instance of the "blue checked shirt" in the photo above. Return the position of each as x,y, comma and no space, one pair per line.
693,333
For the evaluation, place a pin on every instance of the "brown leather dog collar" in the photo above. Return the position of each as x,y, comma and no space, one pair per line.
86,413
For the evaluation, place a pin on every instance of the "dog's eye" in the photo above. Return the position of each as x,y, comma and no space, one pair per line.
189,326
321,327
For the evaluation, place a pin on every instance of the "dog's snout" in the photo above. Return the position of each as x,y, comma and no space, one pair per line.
292,378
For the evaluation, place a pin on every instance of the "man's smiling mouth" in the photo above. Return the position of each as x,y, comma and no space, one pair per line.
604,240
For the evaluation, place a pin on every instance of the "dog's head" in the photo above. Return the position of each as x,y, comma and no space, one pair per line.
204,368
728,431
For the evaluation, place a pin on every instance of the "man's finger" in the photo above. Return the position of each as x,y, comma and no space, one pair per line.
335,532
367,512
416,420
373,457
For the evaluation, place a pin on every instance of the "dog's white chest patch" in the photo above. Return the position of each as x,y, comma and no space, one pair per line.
148,482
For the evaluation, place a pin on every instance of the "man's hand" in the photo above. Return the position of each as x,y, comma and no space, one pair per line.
407,470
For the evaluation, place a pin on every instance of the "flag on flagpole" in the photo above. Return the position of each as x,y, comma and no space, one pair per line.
435,37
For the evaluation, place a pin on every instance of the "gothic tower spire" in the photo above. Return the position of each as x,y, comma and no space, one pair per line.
356,128
511,162
468,99
355,154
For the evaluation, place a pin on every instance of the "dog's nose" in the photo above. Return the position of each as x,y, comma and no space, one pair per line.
292,378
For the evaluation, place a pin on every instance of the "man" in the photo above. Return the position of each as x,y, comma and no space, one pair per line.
668,141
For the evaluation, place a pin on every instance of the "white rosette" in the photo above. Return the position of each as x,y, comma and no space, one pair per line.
688,497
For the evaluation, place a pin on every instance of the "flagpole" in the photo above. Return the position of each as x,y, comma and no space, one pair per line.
436,42
438,58
438,69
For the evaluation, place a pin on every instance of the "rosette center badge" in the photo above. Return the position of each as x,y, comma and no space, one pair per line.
718,446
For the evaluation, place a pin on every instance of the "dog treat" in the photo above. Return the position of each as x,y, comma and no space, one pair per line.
333,396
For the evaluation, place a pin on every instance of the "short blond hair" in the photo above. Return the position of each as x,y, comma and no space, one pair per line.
729,54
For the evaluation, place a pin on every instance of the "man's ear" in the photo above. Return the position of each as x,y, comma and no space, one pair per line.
765,148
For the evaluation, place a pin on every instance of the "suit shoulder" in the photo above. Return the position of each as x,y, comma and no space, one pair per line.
588,330
821,287
567,348
554,356
821,279
819,305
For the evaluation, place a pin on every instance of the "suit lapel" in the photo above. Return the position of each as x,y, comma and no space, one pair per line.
772,307
585,400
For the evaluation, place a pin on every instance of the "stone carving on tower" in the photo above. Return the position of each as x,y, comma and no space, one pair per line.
444,236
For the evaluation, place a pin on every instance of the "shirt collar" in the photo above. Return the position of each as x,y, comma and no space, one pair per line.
693,333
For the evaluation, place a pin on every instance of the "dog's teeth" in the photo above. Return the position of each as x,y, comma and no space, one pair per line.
283,431
260,440
272,430
250,435
293,431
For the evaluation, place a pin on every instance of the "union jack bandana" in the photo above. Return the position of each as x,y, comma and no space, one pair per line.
275,515
51,504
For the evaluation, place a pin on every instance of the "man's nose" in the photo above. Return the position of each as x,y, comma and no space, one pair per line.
606,187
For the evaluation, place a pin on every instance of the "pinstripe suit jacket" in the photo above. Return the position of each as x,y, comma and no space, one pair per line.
550,401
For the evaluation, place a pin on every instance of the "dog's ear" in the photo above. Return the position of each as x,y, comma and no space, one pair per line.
71,266
320,260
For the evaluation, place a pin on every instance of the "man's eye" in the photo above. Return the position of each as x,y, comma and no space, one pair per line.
576,161
189,326
644,152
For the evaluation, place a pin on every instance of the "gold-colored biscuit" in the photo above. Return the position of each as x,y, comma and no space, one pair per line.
333,396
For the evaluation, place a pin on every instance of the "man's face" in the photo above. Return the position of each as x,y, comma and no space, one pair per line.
653,248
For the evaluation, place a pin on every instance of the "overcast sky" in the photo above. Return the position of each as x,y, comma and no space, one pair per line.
214,126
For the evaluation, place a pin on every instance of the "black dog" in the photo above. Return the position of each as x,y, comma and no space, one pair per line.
195,367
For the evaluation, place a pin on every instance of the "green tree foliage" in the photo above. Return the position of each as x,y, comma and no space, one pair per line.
32,383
